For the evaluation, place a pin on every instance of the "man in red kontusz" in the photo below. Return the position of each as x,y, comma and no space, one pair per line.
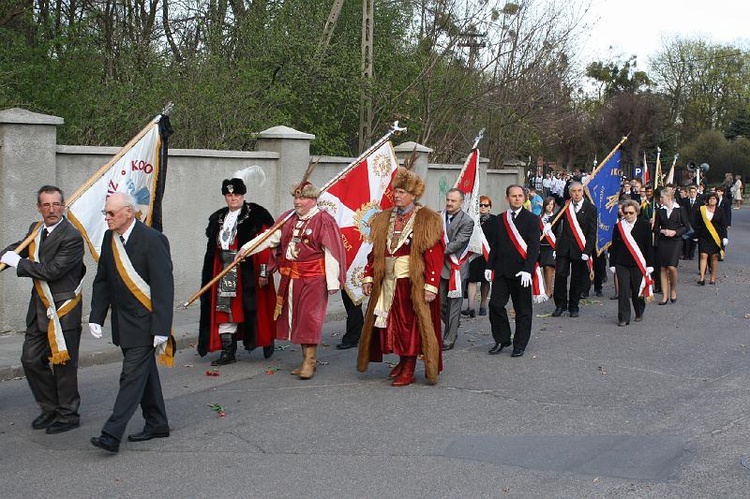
402,279
311,259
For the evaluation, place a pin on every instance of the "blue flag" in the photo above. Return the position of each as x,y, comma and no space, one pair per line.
604,191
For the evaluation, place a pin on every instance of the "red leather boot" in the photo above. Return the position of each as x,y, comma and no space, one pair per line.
406,377
396,371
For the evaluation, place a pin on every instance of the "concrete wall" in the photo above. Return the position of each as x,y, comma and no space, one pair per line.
30,157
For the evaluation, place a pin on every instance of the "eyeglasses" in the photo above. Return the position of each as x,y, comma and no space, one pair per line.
47,206
111,214
485,205
629,212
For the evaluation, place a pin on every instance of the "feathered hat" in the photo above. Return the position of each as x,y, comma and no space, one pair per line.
305,189
407,179
252,175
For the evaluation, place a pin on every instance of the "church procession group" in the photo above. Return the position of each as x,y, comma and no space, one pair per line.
270,279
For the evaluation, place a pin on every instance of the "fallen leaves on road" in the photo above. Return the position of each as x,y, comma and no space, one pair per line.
213,372
271,370
602,371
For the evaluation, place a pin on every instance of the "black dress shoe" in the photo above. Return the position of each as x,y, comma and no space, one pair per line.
498,348
638,318
106,442
558,312
574,312
517,352
44,420
614,297
622,323
599,293
346,346
448,346
147,435
268,351
61,426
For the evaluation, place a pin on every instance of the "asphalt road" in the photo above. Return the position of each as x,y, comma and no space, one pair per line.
655,409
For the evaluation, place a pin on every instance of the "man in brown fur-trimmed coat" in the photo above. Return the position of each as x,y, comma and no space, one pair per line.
402,278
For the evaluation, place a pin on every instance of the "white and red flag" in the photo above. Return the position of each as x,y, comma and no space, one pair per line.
646,179
353,200
468,183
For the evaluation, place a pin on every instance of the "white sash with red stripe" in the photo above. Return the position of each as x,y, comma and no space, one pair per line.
578,235
454,281
537,280
548,235
646,289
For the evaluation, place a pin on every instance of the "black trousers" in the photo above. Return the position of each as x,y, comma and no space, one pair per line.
578,271
139,384
629,279
502,289
55,387
354,320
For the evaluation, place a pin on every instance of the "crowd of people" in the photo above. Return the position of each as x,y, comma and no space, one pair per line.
416,278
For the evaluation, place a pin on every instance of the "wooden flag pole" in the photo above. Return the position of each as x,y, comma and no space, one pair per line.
276,226
593,174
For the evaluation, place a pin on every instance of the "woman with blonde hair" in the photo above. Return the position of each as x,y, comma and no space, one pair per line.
671,222
711,229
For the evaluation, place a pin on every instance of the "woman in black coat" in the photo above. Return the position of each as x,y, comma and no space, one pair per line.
708,246
625,266
672,221
546,251
477,265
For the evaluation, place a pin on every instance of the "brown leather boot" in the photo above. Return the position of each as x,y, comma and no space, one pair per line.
407,373
308,366
297,371
396,371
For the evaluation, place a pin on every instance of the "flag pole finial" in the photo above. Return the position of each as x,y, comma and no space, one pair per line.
478,138
168,109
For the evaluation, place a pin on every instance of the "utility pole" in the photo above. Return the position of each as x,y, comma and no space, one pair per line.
365,95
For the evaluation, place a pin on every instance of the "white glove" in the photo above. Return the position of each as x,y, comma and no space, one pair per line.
649,270
554,254
525,278
11,259
725,241
612,269
488,275
584,257
547,228
96,330
158,340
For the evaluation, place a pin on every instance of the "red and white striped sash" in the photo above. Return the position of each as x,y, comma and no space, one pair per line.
537,280
646,289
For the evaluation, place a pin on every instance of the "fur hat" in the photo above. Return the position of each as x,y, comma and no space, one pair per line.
305,190
233,186
409,181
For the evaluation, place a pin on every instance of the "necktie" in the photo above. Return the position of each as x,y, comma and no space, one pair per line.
122,240
45,233
576,206
450,219
513,215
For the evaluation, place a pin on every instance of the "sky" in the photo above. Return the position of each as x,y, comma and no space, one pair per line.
637,26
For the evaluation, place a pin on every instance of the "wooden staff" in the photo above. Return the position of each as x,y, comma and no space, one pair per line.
593,174
276,226
96,176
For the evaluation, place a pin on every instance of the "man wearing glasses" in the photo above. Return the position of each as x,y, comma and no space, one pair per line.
135,280
54,260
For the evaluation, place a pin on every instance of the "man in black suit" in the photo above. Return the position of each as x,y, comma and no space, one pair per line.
513,272
692,204
141,317
54,260
571,259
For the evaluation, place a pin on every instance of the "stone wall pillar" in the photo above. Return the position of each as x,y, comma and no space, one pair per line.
293,148
28,144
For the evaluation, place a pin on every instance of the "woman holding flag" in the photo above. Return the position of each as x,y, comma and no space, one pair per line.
711,229
631,260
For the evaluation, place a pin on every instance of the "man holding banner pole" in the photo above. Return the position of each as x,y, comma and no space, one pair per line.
575,245
54,260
